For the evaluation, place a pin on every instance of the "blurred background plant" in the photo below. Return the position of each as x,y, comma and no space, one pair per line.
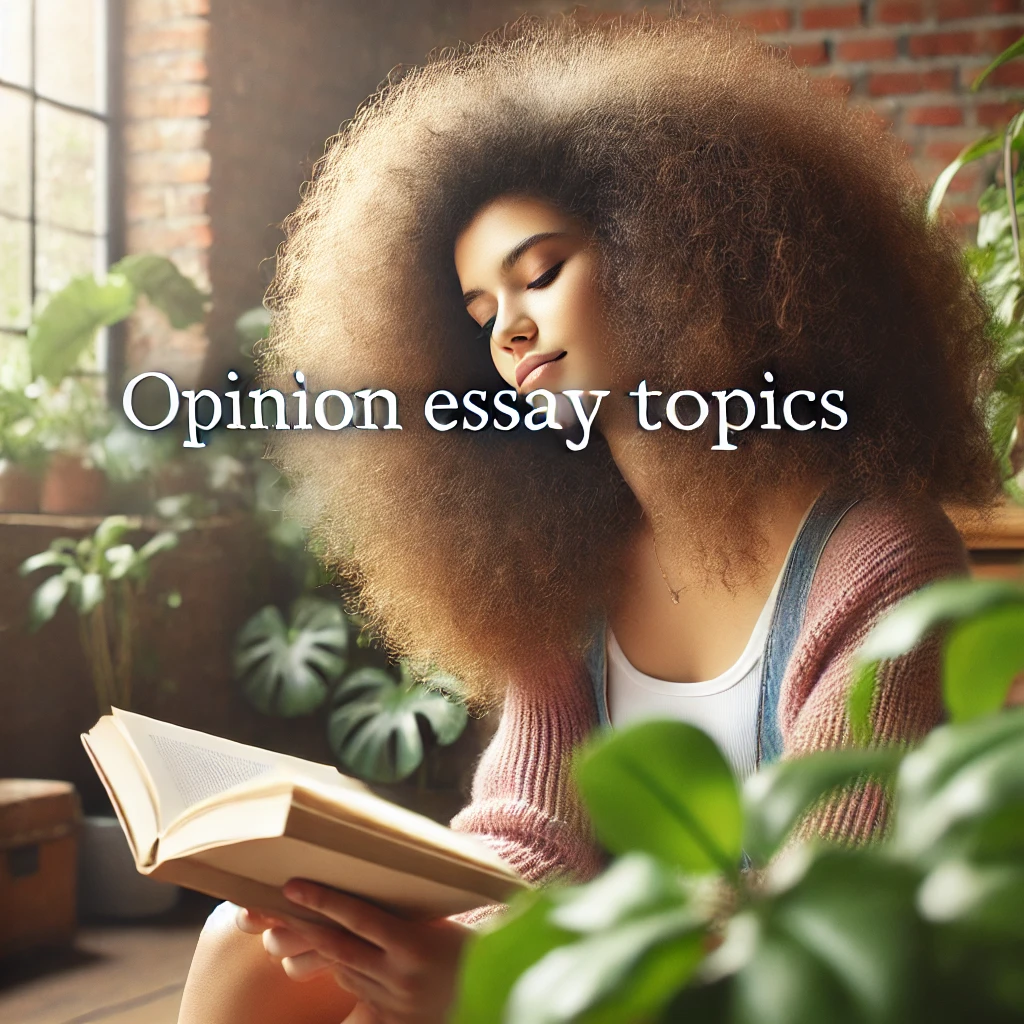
995,263
103,577
927,925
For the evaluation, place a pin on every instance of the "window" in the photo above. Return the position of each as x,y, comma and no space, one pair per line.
55,127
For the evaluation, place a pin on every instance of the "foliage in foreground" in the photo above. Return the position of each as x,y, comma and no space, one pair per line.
925,926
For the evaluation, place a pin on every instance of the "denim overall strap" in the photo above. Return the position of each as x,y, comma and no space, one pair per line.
788,617
596,667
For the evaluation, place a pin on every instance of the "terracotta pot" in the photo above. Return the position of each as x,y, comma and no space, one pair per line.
19,489
71,487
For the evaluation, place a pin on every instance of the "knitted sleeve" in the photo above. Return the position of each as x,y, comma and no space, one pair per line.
879,553
524,804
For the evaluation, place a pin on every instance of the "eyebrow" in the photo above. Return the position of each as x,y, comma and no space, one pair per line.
513,256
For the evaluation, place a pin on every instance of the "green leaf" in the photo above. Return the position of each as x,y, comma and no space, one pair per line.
990,143
174,599
68,323
984,898
121,558
46,599
779,795
1013,51
286,669
664,788
962,790
374,724
165,286
45,560
110,531
253,326
496,958
91,591
624,974
840,945
163,541
982,658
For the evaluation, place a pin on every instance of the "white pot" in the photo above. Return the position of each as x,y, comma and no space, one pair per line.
109,885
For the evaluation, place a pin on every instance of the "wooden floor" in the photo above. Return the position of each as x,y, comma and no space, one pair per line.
114,973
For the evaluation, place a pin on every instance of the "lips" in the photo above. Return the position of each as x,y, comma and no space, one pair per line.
526,367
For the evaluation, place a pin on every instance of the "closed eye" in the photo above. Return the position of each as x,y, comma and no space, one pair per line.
547,277
487,328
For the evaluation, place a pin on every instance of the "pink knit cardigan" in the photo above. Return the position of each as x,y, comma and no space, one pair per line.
523,801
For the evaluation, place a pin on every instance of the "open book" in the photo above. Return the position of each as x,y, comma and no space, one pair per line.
237,822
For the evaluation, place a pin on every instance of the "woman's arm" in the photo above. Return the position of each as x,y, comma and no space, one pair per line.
233,980
524,804
880,553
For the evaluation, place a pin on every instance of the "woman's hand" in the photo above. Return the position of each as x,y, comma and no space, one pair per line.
402,972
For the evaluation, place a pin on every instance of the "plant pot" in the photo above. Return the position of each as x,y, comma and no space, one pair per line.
109,885
19,488
72,487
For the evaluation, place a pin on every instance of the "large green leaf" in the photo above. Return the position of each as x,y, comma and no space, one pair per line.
67,325
962,791
45,560
165,286
1013,51
496,958
663,788
989,143
46,599
904,626
982,658
840,946
986,899
778,796
286,669
110,531
374,725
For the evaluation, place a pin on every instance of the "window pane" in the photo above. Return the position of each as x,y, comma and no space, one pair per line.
69,47
70,162
15,301
15,364
15,120
15,39
61,256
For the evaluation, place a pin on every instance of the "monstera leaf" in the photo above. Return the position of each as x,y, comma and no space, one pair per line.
165,286
374,727
287,668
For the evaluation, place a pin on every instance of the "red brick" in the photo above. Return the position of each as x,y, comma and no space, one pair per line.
877,48
179,134
941,44
895,82
965,180
944,116
831,16
946,150
187,35
949,10
168,101
1011,74
149,12
775,19
169,168
164,68
995,115
998,39
168,237
808,54
894,12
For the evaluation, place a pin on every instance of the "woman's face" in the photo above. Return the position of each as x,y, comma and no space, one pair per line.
529,279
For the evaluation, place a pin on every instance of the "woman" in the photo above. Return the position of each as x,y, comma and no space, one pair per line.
589,206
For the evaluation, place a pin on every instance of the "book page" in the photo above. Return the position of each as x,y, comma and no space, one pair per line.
188,767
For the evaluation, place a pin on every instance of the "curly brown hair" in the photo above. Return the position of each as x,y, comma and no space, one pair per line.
746,221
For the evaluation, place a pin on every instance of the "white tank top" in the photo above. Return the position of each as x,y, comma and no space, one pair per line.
724,707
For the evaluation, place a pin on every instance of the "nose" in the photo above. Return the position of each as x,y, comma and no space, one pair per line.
518,333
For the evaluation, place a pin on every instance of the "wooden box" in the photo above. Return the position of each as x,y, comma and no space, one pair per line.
38,847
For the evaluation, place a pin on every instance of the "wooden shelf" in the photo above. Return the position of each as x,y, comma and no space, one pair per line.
90,522
1001,530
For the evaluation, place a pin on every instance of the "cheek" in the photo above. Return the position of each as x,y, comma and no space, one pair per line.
503,363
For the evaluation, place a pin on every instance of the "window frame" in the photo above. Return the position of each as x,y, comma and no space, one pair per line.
113,119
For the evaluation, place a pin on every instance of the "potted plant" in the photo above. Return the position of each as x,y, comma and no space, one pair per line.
21,453
61,334
927,924
103,578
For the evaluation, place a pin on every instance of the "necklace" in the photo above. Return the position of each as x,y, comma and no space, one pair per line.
664,576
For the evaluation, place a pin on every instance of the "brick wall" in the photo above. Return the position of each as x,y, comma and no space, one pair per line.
167,165
913,62
229,103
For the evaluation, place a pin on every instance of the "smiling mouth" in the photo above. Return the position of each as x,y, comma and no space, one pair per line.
531,364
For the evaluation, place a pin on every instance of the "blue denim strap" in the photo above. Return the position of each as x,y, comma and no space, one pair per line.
788,617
